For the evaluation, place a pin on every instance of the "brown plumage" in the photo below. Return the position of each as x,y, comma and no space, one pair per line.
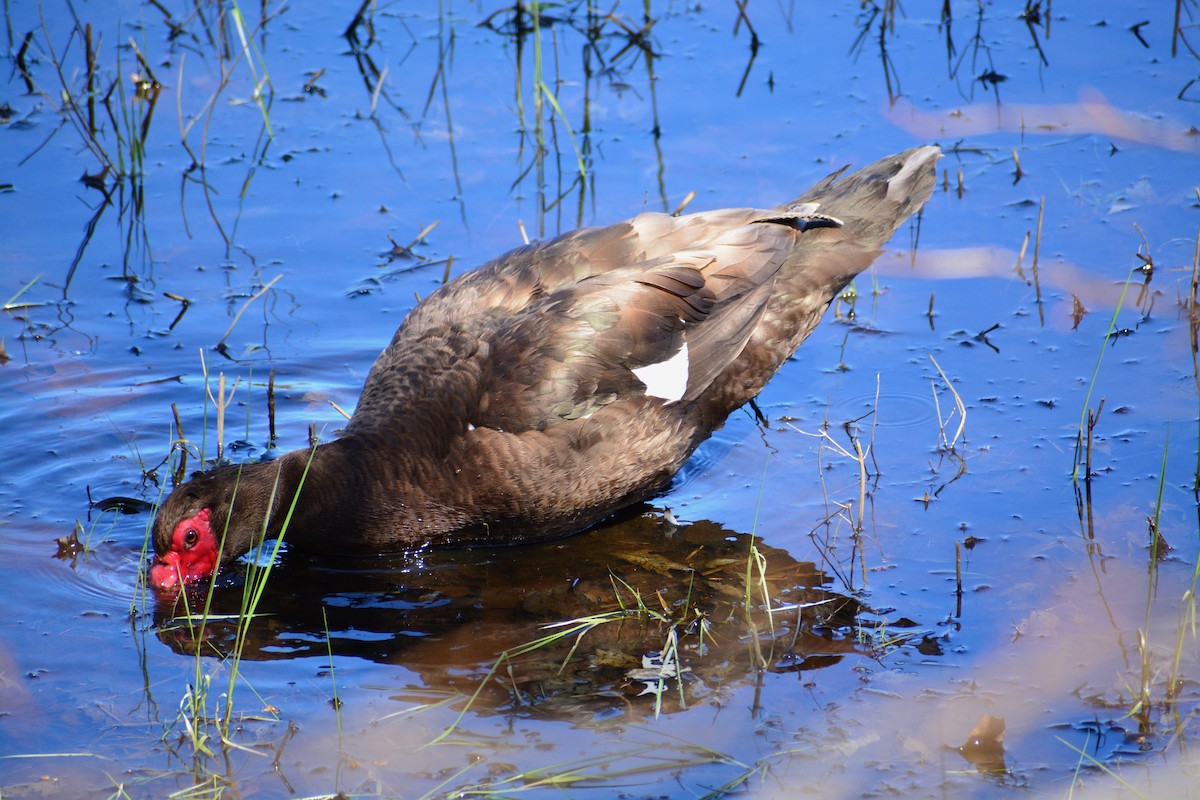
523,400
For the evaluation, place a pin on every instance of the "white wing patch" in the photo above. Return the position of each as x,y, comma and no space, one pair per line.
668,379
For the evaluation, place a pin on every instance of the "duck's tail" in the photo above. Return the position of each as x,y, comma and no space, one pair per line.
857,213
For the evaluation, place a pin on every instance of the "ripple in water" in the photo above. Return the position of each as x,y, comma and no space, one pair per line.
894,409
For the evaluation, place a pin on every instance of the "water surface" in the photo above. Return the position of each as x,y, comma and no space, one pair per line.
872,667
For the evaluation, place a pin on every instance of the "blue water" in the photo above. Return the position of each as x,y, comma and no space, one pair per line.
435,121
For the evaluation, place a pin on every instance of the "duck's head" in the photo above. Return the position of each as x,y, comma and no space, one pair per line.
190,553
200,528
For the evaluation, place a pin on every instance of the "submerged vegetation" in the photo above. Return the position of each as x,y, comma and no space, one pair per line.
845,590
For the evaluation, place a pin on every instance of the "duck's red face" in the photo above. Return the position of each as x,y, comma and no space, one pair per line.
192,557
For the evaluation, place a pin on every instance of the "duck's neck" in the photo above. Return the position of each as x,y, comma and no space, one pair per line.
257,496
285,484
342,502
305,490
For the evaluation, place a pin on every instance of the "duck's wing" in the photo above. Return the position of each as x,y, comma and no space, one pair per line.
664,328
527,274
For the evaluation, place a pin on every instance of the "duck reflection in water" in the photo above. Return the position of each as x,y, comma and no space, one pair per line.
629,588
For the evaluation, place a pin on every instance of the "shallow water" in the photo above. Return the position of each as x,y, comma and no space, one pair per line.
872,669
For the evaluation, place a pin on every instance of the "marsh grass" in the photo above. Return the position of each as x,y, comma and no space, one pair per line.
207,721
1089,417
683,627
220,345
1088,758
1156,677
562,631
207,716
72,546
11,303
604,771
75,105
111,114
263,89
1186,623
630,606
885,13
107,94
948,444
1084,432
1192,308
555,106
336,701
1155,686
229,58
850,512
877,634
542,93
547,112
854,451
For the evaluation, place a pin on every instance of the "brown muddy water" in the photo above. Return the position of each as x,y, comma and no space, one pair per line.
781,623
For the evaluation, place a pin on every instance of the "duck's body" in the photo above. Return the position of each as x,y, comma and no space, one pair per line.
558,383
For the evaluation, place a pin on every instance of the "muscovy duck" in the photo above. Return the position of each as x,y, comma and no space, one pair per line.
556,384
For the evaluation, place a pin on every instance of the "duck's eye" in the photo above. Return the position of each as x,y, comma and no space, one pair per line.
189,538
